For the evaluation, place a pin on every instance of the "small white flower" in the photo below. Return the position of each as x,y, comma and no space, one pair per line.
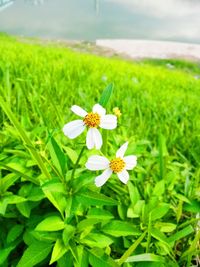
118,165
92,120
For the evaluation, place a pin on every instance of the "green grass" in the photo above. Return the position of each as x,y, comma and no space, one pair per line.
160,118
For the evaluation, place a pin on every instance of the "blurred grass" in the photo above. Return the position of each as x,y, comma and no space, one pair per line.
40,84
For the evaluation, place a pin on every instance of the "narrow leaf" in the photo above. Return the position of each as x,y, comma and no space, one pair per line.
106,95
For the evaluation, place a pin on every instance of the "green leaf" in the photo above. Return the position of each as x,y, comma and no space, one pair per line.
97,240
134,211
82,257
181,234
165,227
59,250
24,137
8,181
131,248
57,156
68,233
34,254
14,233
106,95
145,257
159,188
54,185
133,192
4,253
55,193
14,199
52,223
72,154
67,257
194,206
24,208
84,224
120,228
98,258
95,213
159,211
93,198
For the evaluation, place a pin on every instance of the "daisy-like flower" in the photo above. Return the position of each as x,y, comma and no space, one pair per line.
118,165
92,120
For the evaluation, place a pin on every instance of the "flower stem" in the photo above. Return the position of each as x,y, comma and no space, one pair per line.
77,162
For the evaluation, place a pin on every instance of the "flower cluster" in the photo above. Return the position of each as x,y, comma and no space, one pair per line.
91,121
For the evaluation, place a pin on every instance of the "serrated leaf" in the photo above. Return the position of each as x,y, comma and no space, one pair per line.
106,95
120,228
52,223
34,254
93,198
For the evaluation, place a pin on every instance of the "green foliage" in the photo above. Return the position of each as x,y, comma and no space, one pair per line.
47,218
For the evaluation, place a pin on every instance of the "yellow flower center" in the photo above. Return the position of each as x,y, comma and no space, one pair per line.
117,165
92,120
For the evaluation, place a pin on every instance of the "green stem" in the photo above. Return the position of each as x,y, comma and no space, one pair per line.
131,249
77,162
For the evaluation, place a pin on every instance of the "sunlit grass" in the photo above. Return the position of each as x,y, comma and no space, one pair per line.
160,118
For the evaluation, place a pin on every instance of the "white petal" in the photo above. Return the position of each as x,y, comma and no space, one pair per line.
123,176
96,162
108,122
97,138
101,179
94,139
78,111
122,150
131,162
73,128
89,139
99,109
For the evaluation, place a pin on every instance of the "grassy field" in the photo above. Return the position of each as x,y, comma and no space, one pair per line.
151,221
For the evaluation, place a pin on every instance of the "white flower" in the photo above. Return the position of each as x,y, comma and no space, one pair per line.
92,120
118,165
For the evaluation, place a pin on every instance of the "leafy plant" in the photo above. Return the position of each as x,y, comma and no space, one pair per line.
46,217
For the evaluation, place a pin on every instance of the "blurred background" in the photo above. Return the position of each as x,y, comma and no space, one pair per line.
172,20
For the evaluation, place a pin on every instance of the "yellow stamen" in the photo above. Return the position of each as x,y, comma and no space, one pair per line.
117,165
92,120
